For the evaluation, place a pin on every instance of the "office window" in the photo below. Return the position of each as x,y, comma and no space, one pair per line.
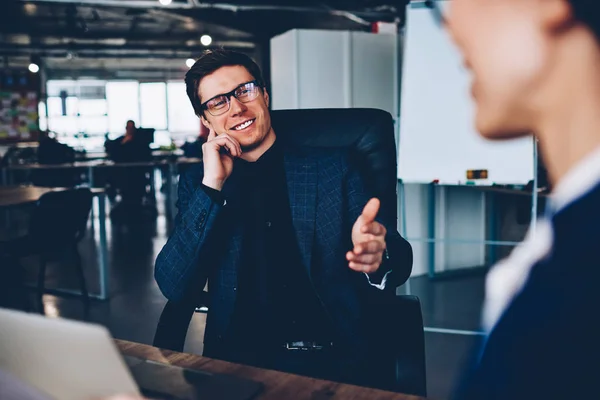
123,105
55,107
93,108
153,105
64,125
42,114
181,113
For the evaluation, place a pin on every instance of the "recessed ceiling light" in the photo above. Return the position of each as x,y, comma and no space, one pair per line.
206,40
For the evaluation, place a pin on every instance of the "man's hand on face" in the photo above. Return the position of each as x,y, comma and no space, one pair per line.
368,238
218,154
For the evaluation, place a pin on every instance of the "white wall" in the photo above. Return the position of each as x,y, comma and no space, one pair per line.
334,69
438,140
284,72
323,73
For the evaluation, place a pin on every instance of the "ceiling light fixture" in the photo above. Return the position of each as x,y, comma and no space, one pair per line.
30,8
206,40
190,62
34,65
34,68
165,2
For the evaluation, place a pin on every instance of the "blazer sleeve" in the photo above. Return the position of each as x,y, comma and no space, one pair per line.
397,263
180,263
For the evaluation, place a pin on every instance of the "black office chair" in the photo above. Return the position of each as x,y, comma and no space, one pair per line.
56,226
402,345
369,135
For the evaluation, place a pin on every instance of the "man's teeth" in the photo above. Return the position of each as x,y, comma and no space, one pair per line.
244,125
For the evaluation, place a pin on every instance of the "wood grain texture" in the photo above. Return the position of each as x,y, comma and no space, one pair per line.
277,385
18,195
94,164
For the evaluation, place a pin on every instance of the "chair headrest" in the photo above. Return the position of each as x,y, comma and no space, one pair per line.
367,133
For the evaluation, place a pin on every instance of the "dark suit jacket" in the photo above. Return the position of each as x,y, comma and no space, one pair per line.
547,343
326,197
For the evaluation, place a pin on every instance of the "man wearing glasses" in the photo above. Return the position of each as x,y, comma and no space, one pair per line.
285,289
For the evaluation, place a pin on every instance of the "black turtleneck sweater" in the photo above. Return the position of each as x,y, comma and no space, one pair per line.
276,302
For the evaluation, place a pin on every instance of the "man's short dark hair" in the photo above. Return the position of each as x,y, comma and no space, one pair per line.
588,12
209,62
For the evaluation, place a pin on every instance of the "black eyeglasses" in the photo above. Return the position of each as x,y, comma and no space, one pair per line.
438,15
221,103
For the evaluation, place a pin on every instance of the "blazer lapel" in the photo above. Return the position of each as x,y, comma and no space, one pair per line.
232,194
301,177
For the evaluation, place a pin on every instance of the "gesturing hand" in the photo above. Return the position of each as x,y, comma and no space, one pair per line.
368,237
218,154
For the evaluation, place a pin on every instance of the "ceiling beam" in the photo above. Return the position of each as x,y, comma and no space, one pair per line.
65,33
107,51
357,16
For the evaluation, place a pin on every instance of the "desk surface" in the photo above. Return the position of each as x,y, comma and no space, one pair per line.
103,164
18,195
277,385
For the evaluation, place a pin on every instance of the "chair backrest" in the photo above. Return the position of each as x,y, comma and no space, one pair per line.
60,218
367,133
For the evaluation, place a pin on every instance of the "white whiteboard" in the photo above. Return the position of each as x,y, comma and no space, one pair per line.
437,134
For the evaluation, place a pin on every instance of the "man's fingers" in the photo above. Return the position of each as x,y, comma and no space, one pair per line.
367,259
229,145
366,268
370,247
235,143
225,141
211,135
370,211
374,228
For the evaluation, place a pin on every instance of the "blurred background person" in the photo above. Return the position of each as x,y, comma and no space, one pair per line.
131,181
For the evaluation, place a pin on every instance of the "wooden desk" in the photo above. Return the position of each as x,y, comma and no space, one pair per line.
277,385
11,196
169,163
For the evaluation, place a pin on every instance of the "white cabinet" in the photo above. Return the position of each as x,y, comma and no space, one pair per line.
334,69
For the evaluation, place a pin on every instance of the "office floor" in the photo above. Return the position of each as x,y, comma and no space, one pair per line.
450,306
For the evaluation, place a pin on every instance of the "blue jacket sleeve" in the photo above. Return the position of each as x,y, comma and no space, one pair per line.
179,265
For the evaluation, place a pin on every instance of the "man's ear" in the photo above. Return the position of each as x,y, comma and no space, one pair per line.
266,96
205,122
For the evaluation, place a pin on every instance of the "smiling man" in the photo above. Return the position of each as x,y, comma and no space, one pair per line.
286,291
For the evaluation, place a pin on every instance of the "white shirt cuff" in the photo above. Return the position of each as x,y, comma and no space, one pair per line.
380,286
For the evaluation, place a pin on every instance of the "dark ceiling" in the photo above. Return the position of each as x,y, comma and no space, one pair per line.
144,39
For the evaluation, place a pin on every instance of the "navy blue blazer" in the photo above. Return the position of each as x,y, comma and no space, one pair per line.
546,345
326,197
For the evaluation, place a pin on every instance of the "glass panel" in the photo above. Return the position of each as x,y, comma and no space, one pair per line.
54,87
123,104
93,108
181,113
55,108
94,125
63,125
72,106
161,139
153,103
42,114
